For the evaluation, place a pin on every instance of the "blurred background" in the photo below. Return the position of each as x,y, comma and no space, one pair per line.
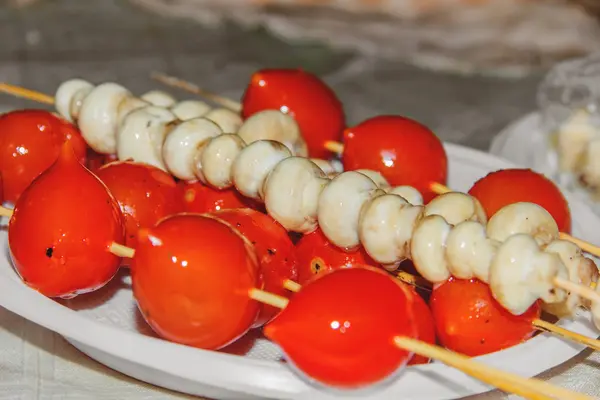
466,68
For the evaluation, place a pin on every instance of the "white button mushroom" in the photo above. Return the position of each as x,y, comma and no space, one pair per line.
142,135
228,121
99,116
277,126
159,98
292,193
69,96
456,207
253,165
528,218
386,227
214,162
183,143
521,273
340,205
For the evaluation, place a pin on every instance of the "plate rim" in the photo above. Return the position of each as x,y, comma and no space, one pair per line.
281,381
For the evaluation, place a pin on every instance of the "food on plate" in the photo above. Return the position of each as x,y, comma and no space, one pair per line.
338,345
191,275
501,188
404,151
200,198
145,194
196,274
274,249
303,96
470,321
317,255
62,228
30,141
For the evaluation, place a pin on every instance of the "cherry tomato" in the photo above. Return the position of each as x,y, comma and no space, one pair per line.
61,230
273,247
199,198
244,344
191,275
470,321
145,194
424,323
508,186
339,329
402,150
96,160
303,96
30,141
316,254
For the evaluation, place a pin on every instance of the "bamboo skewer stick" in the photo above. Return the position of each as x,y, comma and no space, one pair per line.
192,88
26,93
529,388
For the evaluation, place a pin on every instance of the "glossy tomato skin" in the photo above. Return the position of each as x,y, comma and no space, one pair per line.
199,198
274,250
316,254
508,186
97,160
303,96
30,141
424,324
191,275
339,328
61,230
145,194
402,150
470,321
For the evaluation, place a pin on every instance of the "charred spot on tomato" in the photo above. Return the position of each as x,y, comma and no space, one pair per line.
482,341
237,225
271,251
49,252
317,265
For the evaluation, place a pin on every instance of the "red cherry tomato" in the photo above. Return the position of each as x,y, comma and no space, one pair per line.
145,194
199,198
61,230
339,329
303,96
470,321
191,275
273,247
97,160
316,254
425,325
402,150
508,186
30,141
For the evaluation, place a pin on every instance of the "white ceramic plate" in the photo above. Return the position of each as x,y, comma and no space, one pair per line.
106,326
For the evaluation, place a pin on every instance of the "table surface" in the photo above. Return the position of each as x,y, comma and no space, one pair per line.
51,41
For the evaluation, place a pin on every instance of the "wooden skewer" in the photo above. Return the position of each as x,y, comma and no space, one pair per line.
26,93
192,88
529,388
583,291
538,324
121,251
292,286
5,212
